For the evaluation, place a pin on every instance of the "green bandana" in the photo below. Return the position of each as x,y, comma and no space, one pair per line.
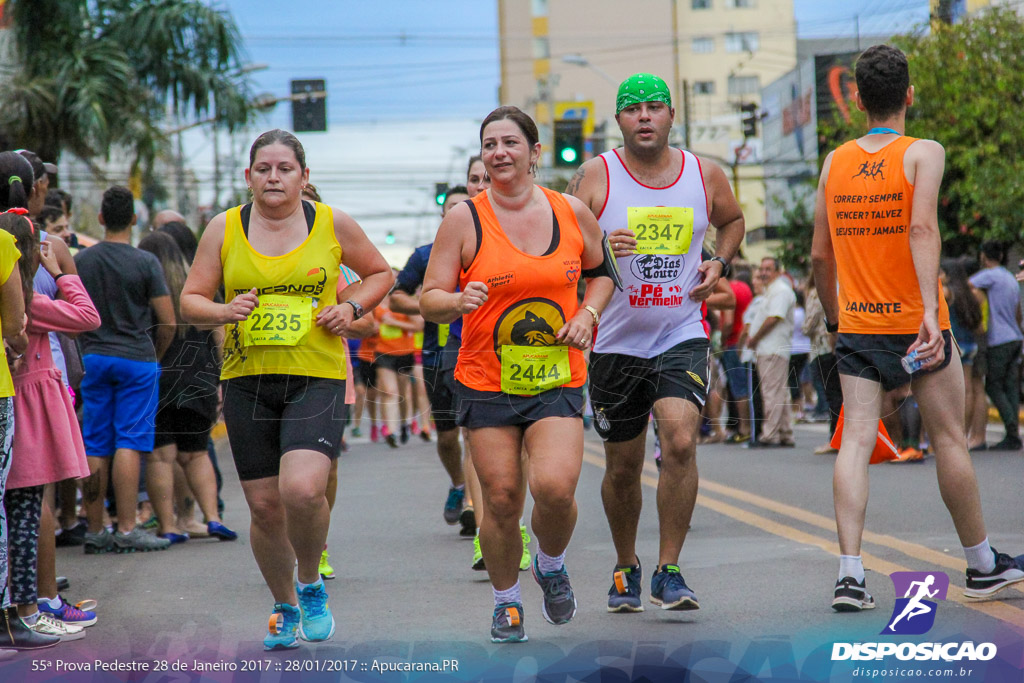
642,88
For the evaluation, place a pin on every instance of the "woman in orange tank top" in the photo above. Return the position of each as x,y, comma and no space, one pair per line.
517,252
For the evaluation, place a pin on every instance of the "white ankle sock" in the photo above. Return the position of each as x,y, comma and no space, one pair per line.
512,594
547,564
31,619
981,557
851,565
299,585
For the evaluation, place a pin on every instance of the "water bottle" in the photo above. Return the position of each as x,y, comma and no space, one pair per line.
911,363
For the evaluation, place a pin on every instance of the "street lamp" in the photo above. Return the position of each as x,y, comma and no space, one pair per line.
580,60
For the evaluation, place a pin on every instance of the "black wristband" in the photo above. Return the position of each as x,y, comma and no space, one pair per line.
831,328
58,276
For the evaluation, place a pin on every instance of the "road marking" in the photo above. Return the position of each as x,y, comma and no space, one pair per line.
993,608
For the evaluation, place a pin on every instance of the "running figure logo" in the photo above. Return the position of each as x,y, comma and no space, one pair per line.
871,171
914,613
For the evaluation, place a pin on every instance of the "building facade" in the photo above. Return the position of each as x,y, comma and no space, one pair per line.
716,54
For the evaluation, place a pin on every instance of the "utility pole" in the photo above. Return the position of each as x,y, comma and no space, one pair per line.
675,61
686,113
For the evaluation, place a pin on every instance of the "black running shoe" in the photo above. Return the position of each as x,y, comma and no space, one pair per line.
507,625
1008,570
851,596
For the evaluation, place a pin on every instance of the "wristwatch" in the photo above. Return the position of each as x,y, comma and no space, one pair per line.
726,268
831,328
593,312
357,308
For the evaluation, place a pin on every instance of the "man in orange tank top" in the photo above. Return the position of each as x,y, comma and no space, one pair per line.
876,227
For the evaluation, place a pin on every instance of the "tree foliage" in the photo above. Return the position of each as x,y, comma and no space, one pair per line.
969,96
98,74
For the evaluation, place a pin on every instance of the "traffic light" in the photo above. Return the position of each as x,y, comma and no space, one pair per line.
309,106
749,120
568,143
440,193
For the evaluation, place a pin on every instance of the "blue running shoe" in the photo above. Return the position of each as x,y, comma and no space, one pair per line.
624,595
317,620
669,590
559,606
453,506
284,625
507,625
220,532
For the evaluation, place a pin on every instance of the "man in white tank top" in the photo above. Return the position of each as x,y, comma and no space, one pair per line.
655,203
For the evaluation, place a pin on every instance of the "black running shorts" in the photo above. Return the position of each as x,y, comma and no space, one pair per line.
270,415
185,428
878,357
478,409
624,389
440,385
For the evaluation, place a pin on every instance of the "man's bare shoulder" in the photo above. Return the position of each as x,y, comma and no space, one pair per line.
926,149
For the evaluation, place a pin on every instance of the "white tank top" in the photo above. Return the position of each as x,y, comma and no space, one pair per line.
654,312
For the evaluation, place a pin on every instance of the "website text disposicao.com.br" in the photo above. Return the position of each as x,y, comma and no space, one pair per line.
869,673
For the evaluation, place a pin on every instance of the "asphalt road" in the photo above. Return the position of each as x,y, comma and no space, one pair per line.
761,556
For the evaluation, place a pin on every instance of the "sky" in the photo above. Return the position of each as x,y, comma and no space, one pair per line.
407,82
406,59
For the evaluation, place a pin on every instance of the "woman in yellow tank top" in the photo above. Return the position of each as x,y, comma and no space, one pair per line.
284,365
517,252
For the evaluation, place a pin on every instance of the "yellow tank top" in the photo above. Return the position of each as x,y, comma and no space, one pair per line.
9,256
281,336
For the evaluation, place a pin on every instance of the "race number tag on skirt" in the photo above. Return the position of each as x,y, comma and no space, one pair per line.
661,229
529,370
278,321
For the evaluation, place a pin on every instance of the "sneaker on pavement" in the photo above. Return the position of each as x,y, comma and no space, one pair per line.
357,433
326,570
403,434
468,521
283,629
453,506
137,540
317,621
69,614
559,606
669,589
72,536
851,596
1007,444
49,625
624,595
175,538
1008,570
374,434
220,531
478,556
507,624
909,454
97,544
525,561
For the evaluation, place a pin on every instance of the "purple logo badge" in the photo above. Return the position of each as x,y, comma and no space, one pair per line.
914,612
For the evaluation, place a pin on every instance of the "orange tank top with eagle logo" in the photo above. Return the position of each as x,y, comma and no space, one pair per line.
508,344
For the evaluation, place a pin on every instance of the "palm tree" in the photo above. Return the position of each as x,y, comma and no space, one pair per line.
97,74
